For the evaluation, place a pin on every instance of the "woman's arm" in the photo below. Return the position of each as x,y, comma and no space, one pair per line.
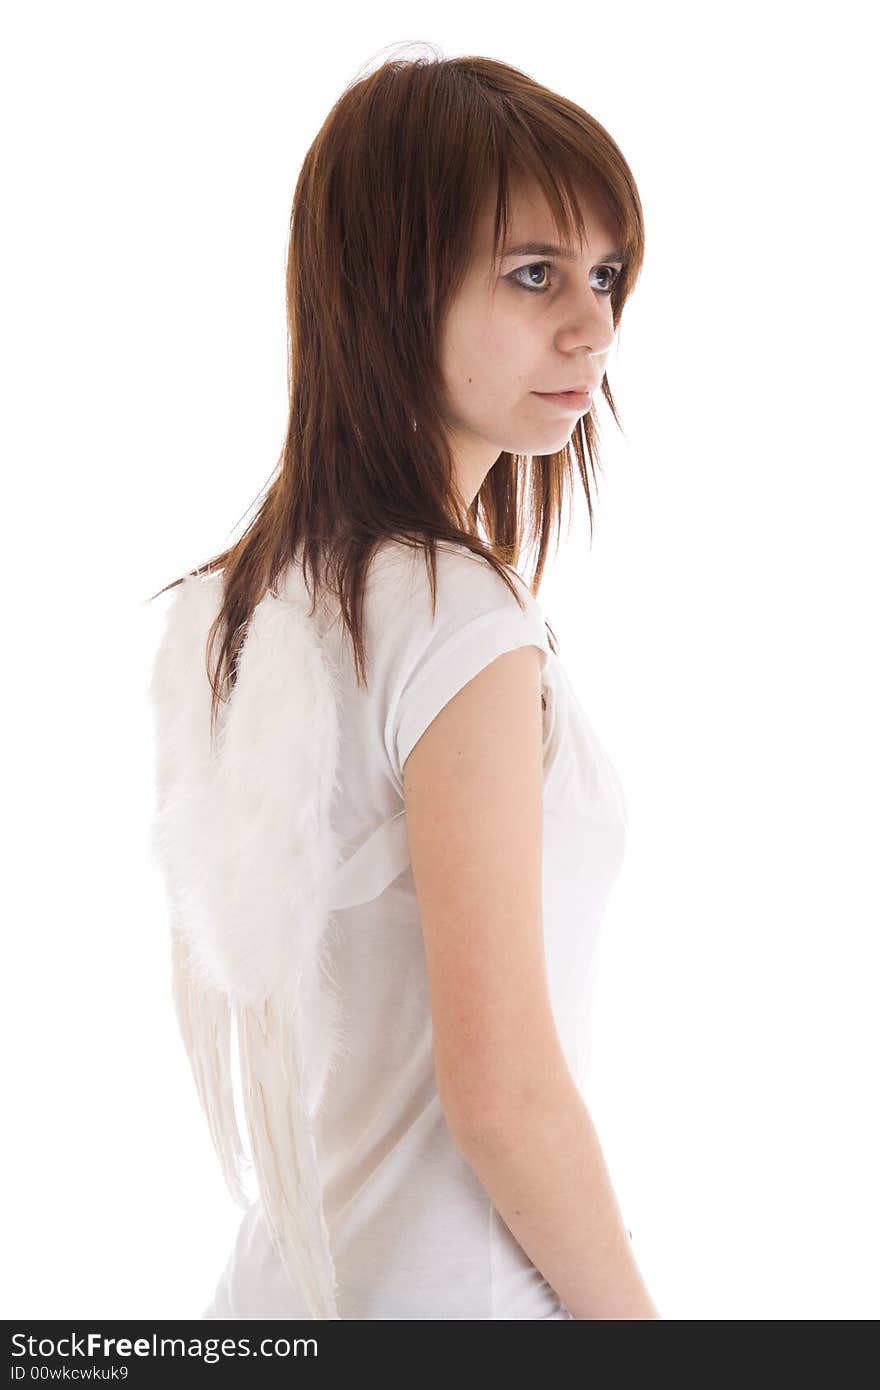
473,787
546,1174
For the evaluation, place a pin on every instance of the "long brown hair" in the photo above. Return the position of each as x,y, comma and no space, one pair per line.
381,231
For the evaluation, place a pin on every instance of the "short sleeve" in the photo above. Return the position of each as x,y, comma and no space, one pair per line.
477,620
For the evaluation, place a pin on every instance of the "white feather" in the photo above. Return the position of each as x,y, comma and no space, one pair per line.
241,833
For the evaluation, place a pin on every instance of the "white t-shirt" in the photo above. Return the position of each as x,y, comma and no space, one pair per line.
414,1233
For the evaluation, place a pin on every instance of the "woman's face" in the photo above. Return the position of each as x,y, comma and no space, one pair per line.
533,322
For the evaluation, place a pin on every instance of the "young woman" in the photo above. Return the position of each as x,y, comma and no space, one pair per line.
462,244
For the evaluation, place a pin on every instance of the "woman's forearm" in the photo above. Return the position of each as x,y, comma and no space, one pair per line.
546,1175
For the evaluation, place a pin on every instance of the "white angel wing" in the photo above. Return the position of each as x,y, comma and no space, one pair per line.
241,833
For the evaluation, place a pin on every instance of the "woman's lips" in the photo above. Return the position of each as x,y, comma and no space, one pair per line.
570,400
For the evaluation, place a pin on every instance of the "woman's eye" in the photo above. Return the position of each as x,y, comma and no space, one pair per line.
613,272
527,270
544,266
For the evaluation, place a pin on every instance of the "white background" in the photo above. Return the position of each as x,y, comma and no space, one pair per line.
721,631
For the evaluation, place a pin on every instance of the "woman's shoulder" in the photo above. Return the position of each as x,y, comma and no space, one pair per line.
466,583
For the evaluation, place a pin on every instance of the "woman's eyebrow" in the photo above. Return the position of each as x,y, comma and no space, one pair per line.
549,248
